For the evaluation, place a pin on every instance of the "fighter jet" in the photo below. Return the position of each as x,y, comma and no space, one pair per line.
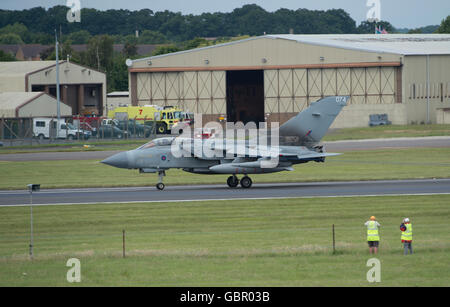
216,155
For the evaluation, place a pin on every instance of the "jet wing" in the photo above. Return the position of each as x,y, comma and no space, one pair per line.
219,148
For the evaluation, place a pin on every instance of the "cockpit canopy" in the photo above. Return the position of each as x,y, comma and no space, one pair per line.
158,142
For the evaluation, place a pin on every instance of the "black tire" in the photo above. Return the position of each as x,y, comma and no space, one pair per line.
119,136
246,182
162,128
41,137
70,137
160,186
232,181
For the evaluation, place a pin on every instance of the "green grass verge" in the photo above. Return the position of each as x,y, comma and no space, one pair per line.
357,165
74,147
391,131
227,243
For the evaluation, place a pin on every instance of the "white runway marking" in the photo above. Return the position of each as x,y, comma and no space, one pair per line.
223,199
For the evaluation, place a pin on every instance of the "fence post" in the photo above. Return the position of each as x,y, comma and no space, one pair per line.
2,128
334,241
123,243
31,129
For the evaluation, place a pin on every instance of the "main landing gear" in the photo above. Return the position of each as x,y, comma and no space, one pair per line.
233,182
160,185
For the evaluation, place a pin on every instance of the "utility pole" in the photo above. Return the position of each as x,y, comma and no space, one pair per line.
58,111
98,58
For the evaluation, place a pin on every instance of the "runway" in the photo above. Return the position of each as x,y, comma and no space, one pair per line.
222,192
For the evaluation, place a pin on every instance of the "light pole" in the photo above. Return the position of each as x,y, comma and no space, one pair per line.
32,188
58,97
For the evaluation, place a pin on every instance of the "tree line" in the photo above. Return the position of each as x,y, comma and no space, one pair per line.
173,31
164,26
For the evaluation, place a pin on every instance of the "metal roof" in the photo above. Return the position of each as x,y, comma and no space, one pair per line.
10,101
21,68
405,44
118,94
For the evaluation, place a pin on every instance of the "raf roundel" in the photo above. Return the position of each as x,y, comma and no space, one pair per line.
163,158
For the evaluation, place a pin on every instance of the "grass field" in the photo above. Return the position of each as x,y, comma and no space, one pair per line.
74,147
227,243
391,131
357,165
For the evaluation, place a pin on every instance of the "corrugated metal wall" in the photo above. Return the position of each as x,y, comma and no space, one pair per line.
194,91
291,90
285,90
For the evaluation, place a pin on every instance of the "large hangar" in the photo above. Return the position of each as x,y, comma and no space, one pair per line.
273,77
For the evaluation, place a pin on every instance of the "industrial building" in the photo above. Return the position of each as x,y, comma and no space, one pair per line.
117,99
30,104
81,88
272,77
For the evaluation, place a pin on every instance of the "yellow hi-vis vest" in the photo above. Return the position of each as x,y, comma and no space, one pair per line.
372,231
407,234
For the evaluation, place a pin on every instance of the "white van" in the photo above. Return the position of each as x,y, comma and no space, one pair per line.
44,128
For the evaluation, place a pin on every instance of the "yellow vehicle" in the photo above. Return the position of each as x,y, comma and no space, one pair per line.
163,117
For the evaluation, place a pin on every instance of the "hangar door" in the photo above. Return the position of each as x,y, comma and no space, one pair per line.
245,96
194,91
288,91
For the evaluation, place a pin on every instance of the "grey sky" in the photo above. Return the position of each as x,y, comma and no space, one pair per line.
400,13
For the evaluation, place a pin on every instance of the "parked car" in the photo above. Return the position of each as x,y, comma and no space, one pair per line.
110,131
44,128
379,120
133,127
180,127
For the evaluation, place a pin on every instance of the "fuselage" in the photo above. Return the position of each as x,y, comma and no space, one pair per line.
157,156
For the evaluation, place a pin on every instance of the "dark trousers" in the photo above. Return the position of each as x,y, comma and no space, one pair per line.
407,246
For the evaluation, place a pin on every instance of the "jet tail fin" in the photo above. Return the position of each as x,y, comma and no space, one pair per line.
312,124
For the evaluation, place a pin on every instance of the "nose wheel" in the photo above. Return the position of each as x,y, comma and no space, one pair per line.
160,185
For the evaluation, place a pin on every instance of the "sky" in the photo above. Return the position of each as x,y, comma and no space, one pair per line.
400,13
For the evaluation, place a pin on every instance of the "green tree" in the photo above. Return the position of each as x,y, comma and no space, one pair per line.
445,26
152,37
48,53
196,43
10,39
367,27
165,49
65,50
118,75
6,57
100,51
42,38
79,37
130,50
415,31
17,29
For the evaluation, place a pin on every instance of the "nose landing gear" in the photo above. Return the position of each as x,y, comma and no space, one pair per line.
160,185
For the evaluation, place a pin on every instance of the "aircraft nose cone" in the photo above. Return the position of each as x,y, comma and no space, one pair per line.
117,160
